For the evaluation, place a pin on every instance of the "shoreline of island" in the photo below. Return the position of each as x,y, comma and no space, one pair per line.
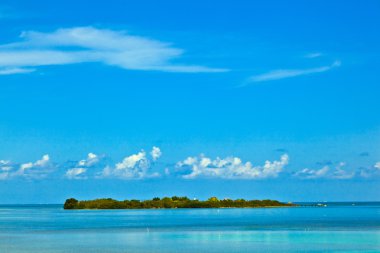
171,203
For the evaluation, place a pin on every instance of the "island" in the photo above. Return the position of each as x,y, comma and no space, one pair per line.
171,202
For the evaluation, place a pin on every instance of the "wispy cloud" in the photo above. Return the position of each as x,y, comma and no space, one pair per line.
11,71
89,44
228,168
313,55
288,73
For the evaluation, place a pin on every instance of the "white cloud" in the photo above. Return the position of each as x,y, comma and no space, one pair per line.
287,73
39,163
229,168
313,55
340,173
5,169
326,172
43,162
10,71
89,44
4,165
311,174
155,153
143,165
370,172
76,173
91,160
31,170
132,161
136,166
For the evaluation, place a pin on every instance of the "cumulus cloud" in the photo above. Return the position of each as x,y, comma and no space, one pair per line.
155,153
80,168
89,44
76,173
91,160
143,165
31,170
136,166
39,163
326,172
38,169
228,168
287,73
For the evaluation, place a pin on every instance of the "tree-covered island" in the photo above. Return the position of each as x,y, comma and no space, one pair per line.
173,202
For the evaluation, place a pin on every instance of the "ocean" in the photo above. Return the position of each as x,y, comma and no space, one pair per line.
336,227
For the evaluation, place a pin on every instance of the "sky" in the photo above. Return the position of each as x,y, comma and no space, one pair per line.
234,99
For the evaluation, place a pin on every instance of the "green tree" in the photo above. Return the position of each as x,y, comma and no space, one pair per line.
70,203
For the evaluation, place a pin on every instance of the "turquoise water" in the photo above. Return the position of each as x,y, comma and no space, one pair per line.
49,228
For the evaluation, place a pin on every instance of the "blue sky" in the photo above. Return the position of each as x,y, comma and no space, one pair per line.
254,99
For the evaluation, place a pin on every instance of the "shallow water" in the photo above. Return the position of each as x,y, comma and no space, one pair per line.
337,227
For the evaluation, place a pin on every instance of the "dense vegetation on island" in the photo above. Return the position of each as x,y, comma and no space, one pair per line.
173,202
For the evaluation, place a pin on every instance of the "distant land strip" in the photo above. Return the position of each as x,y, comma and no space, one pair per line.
171,202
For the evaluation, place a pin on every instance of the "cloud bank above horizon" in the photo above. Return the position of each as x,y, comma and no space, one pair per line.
145,165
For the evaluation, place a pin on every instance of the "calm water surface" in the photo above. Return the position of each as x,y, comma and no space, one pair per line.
48,228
